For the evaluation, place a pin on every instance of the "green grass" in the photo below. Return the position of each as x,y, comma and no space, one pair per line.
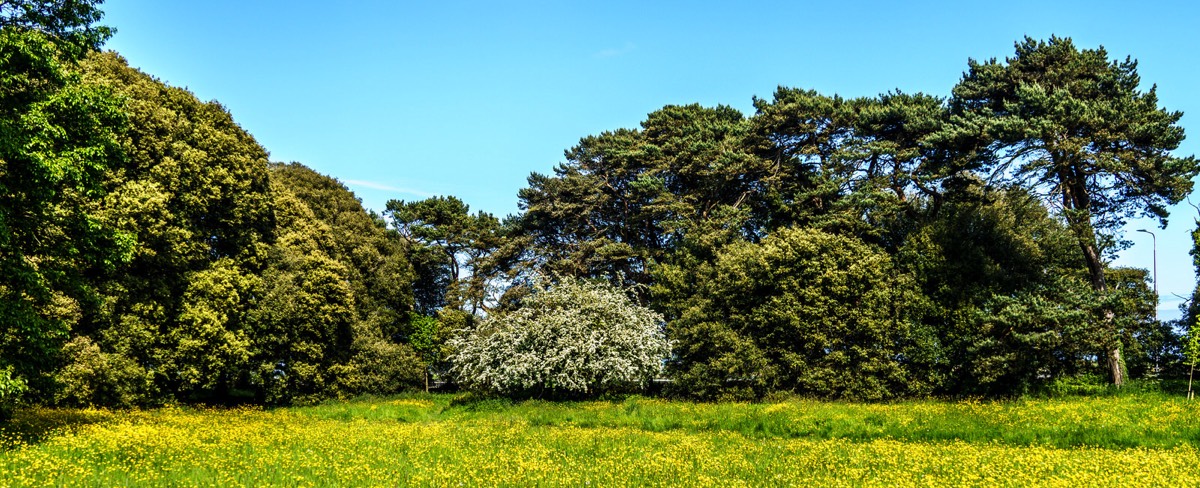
1132,439
1145,419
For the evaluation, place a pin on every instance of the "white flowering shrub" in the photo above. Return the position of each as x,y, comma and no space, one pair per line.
576,338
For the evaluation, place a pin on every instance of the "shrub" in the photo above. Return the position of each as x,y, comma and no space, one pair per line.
11,389
805,312
576,338
96,378
378,367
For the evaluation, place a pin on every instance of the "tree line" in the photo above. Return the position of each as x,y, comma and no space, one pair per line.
874,247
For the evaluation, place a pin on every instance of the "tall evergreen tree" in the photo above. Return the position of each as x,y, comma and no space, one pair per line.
625,199
452,246
1076,125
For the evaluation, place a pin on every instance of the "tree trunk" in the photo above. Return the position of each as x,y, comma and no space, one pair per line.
1077,208
1115,364
1096,272
1193,370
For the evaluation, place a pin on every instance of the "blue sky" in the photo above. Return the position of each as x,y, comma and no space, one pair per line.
406,100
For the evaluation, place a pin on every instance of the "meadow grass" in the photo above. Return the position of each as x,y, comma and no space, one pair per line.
1152,420
450,440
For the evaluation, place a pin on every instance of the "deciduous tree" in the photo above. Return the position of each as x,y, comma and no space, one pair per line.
59,136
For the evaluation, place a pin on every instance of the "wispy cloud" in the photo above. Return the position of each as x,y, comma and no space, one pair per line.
379,186
613,52
1170,302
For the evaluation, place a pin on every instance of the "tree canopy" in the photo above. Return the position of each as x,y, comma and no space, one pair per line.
59,137
70,23
1076,125
900,245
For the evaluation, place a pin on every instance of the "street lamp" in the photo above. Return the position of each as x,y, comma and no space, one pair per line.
1154,241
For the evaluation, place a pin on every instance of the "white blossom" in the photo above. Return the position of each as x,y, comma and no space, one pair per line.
576,336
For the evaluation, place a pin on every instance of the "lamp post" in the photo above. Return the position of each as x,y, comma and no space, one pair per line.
1154,242
1154,250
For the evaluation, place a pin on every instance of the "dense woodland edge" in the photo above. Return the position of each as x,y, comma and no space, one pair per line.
904,245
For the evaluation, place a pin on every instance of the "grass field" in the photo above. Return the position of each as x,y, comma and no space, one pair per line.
1143,439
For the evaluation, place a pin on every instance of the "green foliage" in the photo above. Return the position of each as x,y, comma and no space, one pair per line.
1023,338
452,249
244,279
58,138
379,272
848,166
70,22
336,297
1148,345
203,281
11,390
811,140
1003,288
1000,303
194,204
379,367
1076,121
302,322
427,338
319,310
869,248
430,338
1190,343
1076,124
575,337
625,199
804,311
209,344
1191,348
1158,351
93,378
